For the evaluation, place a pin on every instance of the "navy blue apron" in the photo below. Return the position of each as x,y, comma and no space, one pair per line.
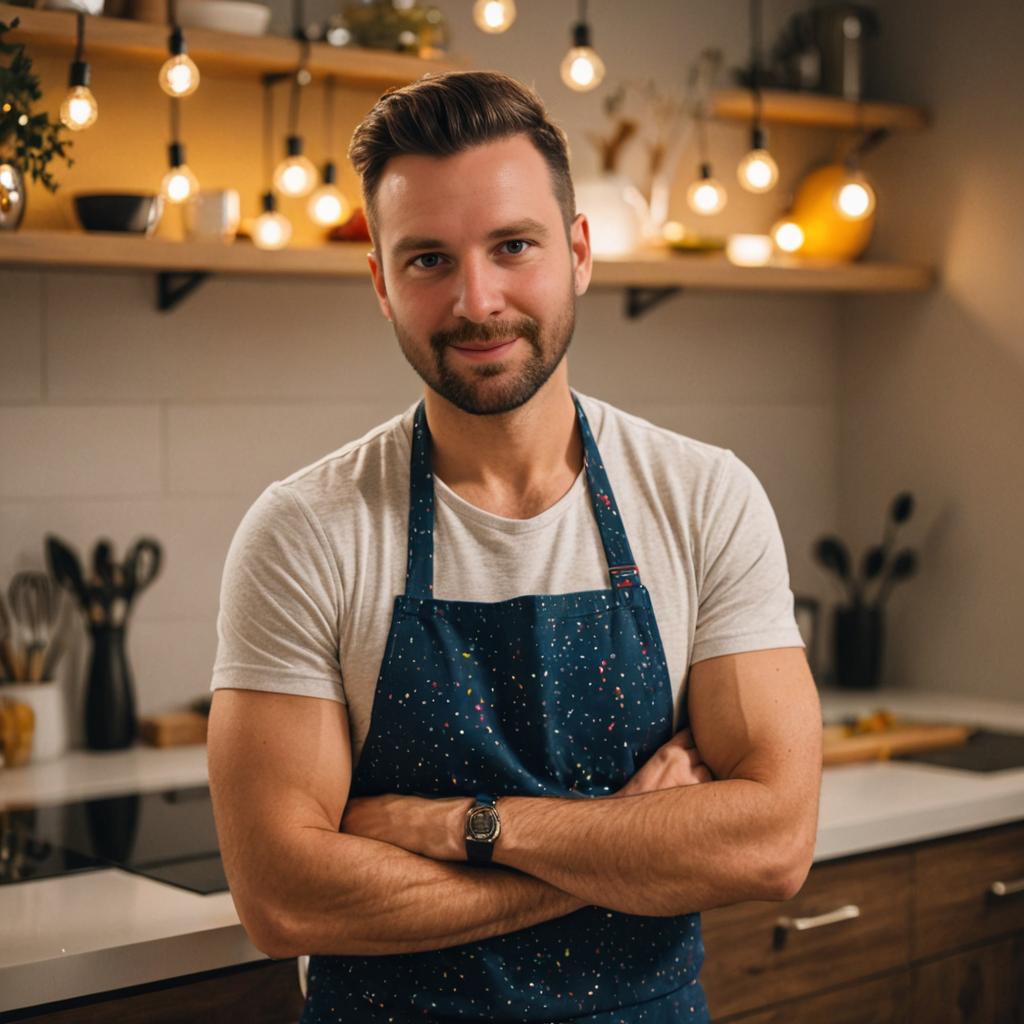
563,695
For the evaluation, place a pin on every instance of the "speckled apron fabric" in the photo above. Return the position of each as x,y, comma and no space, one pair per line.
562,695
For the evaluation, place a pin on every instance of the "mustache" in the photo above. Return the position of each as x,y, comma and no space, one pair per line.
501,330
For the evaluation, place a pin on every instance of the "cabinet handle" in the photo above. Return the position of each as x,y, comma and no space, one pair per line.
1007,888
801,924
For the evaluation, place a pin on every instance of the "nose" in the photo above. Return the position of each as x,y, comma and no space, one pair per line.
479,291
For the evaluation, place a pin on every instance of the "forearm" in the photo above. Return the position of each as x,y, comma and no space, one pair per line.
357,896
660,853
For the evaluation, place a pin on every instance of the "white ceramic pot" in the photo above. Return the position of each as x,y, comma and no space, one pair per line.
50,738
616,212
93,7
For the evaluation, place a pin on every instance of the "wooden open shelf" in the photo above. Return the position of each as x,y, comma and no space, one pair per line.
96,251
216,51
817,111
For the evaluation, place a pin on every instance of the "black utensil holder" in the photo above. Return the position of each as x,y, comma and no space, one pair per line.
110,692
858,635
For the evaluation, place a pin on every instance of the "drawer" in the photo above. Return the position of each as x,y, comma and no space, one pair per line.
883,1000
755,953
953,900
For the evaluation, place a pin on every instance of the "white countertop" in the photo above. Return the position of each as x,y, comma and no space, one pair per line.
95,931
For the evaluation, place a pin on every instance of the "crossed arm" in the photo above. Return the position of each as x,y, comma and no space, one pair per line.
395,879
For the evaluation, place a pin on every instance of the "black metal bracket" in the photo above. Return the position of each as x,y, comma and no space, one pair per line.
640,300
173,286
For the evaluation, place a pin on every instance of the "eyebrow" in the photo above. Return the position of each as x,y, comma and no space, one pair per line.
527,226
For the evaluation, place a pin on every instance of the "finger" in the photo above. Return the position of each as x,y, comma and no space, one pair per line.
703,773
685,737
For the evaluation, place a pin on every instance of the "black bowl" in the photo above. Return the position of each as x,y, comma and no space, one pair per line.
138,213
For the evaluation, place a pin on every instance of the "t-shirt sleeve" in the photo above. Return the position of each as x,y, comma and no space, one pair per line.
277,625
745,602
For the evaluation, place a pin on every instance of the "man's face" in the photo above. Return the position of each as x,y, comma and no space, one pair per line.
475,272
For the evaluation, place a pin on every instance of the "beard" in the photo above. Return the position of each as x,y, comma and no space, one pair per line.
489,389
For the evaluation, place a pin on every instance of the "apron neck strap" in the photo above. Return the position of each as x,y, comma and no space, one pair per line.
419,577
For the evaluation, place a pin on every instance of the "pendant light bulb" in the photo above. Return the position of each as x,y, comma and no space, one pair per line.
855,198
327,206
788,236
493,16
179,75
582,69
180,183
757,171
271,230
706,196
295,175
79,109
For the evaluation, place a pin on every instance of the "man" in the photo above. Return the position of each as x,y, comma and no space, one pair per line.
463,660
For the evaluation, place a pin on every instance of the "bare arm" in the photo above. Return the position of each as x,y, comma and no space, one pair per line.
280,771
756,720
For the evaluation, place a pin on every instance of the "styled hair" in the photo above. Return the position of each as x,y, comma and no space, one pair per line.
444,114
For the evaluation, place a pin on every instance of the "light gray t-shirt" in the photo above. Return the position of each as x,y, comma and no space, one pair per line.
313,569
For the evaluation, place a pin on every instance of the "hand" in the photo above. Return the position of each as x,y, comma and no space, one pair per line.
675,763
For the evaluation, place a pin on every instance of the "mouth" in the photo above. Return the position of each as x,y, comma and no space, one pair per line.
486,350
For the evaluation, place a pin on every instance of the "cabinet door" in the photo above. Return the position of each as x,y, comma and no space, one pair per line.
759,953
880,1001
978,986
953,902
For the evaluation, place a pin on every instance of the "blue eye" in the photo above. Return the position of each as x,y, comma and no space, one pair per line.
427,256
520,242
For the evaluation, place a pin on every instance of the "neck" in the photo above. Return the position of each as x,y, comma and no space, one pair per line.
516,464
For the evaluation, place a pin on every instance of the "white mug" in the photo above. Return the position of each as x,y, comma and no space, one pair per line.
213,215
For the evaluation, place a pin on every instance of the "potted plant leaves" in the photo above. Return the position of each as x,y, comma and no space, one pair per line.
29,141
858,624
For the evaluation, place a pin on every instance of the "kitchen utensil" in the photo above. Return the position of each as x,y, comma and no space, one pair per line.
902,738
831,552
103,576
8,656
141,567
136,213
56,647
213,216
66,569
32,605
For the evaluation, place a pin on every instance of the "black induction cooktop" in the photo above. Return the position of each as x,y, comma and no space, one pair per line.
168,836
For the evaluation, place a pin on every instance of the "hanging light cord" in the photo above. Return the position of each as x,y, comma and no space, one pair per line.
172,13
268,128
80,45
175,119
329,116
299,79
755,59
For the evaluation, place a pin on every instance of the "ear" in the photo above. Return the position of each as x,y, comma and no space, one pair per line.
377,274
582,260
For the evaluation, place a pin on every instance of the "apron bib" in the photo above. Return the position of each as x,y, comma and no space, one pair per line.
563,695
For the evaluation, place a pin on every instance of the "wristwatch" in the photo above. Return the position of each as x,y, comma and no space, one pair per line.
483,826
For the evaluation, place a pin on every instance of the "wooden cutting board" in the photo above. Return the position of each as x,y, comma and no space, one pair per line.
173,729
898,739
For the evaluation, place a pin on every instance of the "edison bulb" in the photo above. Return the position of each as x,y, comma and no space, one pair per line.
327,206
582,69
758,172
79,109
855,198
179,76
706,196
271,230
295,176
788,236
179,184
494,15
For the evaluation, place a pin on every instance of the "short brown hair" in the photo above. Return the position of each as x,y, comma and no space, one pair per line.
444,114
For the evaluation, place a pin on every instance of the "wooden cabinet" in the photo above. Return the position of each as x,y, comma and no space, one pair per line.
937,936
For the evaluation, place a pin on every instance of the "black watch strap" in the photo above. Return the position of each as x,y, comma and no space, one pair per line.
483,826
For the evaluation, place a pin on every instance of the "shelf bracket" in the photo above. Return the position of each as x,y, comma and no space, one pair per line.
640,300
173,286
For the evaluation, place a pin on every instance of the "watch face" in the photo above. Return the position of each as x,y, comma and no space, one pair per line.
482,824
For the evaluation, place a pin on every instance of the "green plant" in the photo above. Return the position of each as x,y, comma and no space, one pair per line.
37,139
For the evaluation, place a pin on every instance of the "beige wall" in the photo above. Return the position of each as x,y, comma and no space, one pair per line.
932,387
117,420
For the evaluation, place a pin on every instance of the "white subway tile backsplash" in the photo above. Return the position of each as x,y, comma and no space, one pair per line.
21,335
239,449
79,451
